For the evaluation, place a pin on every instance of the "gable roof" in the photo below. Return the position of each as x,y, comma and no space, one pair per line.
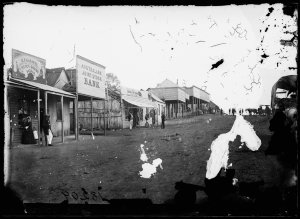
156,98
166,83
71,72
53,74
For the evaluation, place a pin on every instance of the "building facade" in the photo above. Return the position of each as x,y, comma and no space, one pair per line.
26,99
174,97
141,103
198,100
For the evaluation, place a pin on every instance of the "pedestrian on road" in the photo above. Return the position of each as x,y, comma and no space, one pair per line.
47,130
233,111
147,118
153,119
163,118
130,118
229,111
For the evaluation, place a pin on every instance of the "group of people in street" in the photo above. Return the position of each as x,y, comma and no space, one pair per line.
231,111
147,117
30,134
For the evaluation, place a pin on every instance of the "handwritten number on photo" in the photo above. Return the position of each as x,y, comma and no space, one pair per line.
65,193
85,194
74,194
94,196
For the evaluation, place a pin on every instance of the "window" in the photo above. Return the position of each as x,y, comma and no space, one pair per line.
58,110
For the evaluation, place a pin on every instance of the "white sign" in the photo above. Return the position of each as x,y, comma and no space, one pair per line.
29,67
90,78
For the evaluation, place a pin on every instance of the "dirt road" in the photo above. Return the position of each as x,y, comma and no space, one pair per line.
108,166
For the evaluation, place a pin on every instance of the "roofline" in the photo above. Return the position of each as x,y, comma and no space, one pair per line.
52,69
198,88
29,54
60,92
88,60
168,88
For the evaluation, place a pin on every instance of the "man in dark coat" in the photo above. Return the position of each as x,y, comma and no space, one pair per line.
46,128
163,118
153,118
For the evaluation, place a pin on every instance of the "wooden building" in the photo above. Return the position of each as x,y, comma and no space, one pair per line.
27,94
174,97
198,100
100,114
88,83
160,106
57,78
140,103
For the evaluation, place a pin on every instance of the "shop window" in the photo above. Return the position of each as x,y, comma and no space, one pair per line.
58,111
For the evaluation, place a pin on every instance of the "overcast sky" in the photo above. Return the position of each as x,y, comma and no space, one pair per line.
145,45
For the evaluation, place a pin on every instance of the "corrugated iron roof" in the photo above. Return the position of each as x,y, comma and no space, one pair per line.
43,87
138,101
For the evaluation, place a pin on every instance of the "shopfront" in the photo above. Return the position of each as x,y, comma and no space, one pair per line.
29,99
87,83
26,103
135,102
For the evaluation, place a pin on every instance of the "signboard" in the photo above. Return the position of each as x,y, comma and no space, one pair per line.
29,67
90,78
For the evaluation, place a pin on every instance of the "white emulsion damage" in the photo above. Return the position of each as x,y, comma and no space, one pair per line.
220,146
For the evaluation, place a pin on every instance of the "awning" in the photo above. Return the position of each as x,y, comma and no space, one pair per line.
139,101
42,87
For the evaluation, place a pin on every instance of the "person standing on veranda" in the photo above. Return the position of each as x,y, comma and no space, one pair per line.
47,130
130,118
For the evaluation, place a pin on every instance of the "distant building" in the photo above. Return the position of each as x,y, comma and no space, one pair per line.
174,96
213,108
140,103
160,106
199,100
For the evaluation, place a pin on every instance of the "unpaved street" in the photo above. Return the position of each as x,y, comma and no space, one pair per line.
108,166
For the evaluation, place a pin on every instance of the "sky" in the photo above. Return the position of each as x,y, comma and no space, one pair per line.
145,45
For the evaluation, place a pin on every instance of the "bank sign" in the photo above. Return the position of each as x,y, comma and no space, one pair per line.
28,67
90,78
